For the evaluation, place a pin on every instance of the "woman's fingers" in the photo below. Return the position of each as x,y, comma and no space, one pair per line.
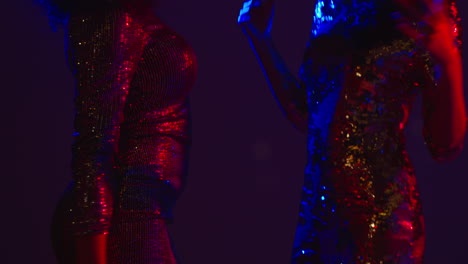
257,15
253,6
244,12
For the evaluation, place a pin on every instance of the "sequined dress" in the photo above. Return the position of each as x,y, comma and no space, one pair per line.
360,202
133,75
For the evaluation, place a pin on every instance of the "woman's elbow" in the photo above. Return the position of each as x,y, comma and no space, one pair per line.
444,154
445,144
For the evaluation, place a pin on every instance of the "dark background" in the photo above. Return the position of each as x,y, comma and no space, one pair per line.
241,202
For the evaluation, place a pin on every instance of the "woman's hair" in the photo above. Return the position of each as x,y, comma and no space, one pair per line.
380,28
59,10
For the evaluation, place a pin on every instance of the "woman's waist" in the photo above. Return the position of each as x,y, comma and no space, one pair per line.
347,173
363,135
366,152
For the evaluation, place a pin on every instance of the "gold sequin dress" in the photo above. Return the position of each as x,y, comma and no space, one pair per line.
133,75
360,203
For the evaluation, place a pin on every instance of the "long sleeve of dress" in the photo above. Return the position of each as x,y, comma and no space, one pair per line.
103,53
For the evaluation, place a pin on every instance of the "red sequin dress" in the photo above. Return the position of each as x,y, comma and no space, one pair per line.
360,203
133,75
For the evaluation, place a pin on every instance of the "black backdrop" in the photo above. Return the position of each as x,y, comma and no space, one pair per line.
241,202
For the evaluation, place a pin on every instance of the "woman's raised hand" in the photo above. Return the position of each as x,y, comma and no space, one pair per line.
256,17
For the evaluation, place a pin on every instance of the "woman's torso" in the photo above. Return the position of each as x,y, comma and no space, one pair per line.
362,77
359,189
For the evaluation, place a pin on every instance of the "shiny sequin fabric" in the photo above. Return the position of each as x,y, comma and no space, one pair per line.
133,75
360,203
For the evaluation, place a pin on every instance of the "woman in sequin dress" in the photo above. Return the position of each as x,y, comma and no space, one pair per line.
365,63
132,75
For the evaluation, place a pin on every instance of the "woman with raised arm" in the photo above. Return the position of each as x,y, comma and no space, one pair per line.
365,63
132,75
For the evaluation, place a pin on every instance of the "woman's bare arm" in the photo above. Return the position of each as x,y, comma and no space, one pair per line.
255,20
444,102
444,110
